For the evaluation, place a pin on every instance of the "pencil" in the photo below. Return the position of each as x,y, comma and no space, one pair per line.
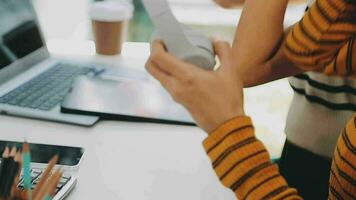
4,160
52,186
7,172
26,159
49,189
12,172
4,164
6,179
14,190
45,175
13,152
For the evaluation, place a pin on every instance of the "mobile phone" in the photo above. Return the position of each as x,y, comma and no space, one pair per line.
42,153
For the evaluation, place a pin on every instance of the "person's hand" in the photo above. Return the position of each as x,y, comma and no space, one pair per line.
211,97
229,3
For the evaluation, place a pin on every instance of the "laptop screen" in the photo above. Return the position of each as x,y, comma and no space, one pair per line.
19,31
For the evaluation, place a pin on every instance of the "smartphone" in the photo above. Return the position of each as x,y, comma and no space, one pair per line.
42,153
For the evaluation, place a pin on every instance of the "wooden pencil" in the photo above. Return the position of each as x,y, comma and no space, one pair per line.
13,152
5,156
44,190
53,186
26,159
4,165
50,188
14,167
14,189
4,161
45,175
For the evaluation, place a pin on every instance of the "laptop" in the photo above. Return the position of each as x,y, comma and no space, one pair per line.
32,82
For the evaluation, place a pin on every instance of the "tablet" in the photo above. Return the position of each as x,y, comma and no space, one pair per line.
124,99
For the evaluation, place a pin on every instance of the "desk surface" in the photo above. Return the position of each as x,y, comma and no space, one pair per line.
129,160
123,160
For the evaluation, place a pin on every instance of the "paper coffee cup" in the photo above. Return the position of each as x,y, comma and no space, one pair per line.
109,24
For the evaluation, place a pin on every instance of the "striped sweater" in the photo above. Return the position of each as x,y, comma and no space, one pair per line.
242,163
323,40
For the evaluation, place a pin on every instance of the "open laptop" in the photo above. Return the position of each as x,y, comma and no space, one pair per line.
32,83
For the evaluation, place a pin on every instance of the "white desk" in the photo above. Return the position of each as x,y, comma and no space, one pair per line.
123,160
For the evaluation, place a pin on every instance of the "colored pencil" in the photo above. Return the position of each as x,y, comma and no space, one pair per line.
12,161
50,188
14,190
4,163
14,167
45,175
6,170
26,159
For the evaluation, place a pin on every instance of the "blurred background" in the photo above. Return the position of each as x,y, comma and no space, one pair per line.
66,19
266,104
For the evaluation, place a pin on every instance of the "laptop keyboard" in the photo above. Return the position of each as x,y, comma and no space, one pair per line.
48,89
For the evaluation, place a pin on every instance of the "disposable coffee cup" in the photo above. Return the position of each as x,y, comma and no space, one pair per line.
109,23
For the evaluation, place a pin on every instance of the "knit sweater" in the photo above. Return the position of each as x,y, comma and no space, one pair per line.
241,161
316,43
324,39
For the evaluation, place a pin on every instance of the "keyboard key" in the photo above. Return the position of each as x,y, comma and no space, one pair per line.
64,179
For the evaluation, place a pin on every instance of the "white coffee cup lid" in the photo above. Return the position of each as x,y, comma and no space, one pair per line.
111,10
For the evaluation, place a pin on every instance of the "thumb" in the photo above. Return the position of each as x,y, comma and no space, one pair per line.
224,52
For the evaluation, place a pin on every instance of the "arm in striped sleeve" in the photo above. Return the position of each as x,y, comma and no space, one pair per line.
343,169
242,163
324,38
344,62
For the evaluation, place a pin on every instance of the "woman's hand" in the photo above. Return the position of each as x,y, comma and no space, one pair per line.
211,97
229,3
